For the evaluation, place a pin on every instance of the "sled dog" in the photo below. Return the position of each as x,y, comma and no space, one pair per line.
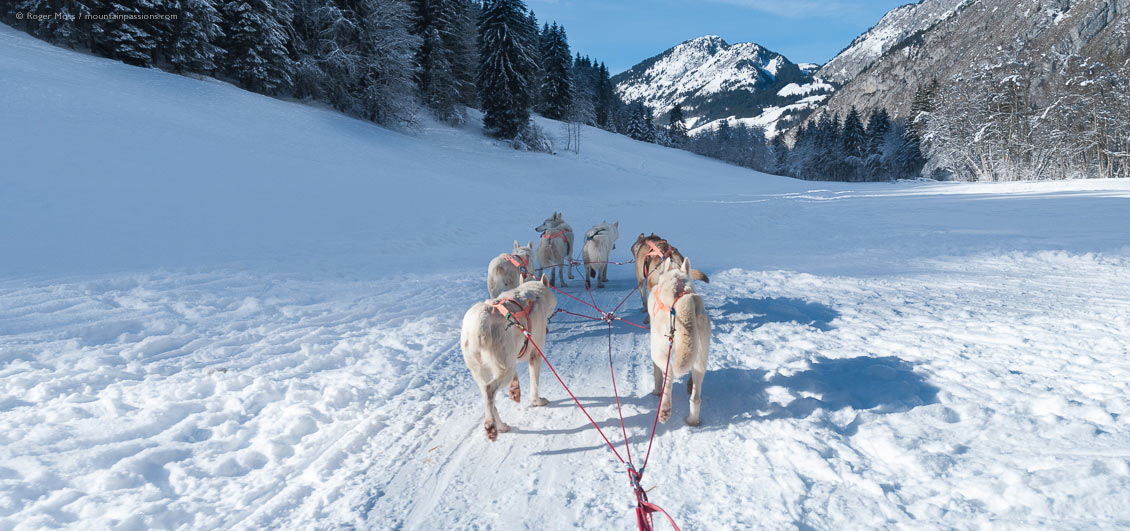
555,247
649,253
599,243
674,294
493,345
505,271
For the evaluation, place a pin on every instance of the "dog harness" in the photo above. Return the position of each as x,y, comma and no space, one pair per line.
655,250
559,234
514,317
659,302
522,263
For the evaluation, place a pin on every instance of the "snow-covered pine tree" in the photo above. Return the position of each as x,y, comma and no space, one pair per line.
506,66
192,45
256,46
639,125
70,28
129,40
446,63
607,100
388,66
557,87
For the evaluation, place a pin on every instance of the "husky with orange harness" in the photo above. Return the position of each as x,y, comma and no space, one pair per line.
555,248
649,253
506,271
680,335
493,340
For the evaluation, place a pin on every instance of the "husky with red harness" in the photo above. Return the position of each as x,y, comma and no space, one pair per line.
555,248
494,340
680,335
507,270
649,253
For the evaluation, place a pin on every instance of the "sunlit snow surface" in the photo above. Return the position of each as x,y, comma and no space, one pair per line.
219,310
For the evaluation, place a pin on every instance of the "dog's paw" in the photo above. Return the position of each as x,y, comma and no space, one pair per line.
647,319
657,392
503,428
491,430
515,391
600,284
538,402
664,413
692,421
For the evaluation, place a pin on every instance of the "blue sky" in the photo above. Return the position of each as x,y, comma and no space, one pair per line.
624,32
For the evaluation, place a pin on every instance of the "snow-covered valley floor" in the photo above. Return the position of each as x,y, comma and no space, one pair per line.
252,320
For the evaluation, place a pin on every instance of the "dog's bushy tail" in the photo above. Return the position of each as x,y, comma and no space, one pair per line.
699,275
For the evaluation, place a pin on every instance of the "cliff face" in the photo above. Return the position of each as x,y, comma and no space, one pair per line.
960,36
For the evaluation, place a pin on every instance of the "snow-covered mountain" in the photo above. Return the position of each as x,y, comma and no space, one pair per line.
714,81
938,39
896,26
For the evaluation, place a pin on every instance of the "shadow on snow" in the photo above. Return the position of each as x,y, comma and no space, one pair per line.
777,310
880,385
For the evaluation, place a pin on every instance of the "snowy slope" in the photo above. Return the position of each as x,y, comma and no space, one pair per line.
714,80
223,311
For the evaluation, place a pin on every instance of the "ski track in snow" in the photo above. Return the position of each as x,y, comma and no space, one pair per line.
971,396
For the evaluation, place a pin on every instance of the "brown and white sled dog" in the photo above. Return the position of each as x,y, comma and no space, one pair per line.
505,270
493,346
674,288
649,253
599,243
555,247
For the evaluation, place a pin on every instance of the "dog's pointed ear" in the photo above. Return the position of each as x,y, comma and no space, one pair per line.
666,265
530,244
545,280
617,224
687,265
516,245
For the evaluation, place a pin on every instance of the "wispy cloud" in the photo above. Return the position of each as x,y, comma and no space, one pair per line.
796,8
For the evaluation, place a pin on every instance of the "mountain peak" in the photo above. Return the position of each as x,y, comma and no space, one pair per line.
714,80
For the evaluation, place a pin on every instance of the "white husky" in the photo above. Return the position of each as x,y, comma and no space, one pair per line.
506,270
493,345
675,288
599,243
555,247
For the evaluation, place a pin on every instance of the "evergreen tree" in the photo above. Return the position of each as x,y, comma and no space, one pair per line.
196,31
387,61
256,46
506,67
557,87
444,57
639,124
677,128
854,137
70,28
877,126
129,40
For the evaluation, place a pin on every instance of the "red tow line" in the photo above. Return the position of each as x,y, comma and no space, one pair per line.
644,508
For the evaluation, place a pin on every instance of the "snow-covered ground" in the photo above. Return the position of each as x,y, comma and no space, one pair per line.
219,310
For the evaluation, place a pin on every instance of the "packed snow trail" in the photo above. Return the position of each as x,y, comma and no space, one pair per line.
224,311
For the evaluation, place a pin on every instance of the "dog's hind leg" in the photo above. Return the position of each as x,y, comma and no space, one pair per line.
658,373
515,389
535,377
696,396
493,424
